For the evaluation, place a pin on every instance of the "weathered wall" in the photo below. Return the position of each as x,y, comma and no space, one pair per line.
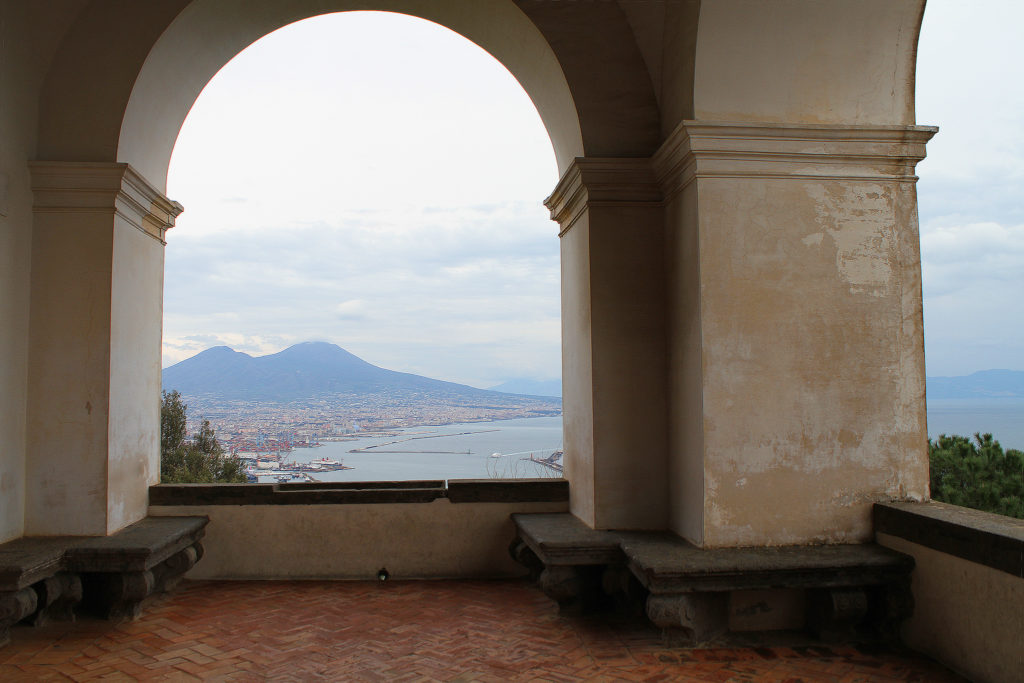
796,340
966,615
806,414
425,540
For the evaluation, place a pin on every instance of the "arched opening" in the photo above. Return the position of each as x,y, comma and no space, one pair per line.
370,180
208,34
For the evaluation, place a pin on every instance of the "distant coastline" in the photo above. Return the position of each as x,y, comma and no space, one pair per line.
984,384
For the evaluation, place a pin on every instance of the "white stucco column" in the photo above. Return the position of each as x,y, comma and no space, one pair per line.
613,342
94,361
796,341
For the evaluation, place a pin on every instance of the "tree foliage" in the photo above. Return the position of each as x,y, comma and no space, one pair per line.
199,460
977,473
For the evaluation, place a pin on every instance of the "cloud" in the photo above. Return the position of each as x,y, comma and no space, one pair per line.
973,308
467,293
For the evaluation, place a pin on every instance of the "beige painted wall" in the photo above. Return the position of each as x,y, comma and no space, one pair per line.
412,540
135,351
94,363
69,378
577,367
29,34
968,616
17,131
613,342
686,404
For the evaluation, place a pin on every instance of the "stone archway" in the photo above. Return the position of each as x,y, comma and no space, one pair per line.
740,277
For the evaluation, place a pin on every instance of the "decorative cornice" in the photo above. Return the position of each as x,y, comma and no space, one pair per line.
75,186
703,149
601,182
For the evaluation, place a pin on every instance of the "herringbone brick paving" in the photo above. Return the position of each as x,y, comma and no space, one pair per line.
406,631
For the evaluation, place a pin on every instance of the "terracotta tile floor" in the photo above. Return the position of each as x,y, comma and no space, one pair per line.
405,631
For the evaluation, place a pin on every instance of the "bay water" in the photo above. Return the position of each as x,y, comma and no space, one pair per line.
474,450
502,449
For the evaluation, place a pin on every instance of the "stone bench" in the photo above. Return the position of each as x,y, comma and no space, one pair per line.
852,591
47,577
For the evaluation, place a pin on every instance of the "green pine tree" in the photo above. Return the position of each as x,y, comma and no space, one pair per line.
977,473
199,460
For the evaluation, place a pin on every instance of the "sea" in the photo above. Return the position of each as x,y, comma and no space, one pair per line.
475,450
1003,418
503,449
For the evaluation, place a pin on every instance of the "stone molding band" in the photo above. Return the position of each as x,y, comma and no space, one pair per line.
730,150
76,187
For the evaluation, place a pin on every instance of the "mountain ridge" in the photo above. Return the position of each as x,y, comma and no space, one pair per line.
997,383
307,370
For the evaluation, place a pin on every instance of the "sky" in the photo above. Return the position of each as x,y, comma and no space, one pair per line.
385,195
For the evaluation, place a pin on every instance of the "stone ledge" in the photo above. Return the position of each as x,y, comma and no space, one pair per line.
984,538
355,493
508,490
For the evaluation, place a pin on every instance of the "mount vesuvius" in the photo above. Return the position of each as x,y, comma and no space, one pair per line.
313,370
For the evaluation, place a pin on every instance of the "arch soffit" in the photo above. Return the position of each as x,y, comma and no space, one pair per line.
803,61
208,33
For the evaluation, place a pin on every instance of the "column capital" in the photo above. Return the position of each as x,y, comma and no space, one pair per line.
712,149
65,186
601,181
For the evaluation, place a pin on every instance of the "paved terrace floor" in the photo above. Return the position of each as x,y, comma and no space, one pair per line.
406,631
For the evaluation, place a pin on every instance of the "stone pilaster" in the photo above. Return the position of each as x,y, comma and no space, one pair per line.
796,348
613,341
94,363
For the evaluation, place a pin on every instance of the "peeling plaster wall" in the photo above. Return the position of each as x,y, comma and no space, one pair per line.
813,375
413,541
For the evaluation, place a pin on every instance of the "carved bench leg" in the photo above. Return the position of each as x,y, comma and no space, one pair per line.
56,598
168,573
15,606
834,613
523,555
691,618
